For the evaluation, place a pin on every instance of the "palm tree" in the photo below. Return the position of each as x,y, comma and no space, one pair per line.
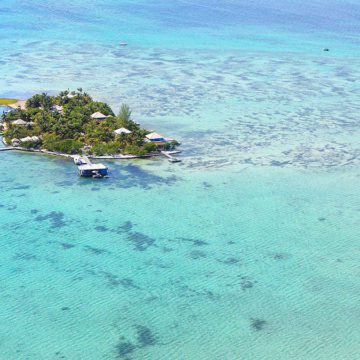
124,113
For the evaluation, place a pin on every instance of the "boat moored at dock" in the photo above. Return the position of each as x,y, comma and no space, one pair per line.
81,160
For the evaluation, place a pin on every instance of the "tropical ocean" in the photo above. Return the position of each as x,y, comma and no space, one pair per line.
249,248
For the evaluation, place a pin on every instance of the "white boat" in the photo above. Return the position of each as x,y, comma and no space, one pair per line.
78,160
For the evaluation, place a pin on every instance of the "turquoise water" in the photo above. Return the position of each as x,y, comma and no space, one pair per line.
245,250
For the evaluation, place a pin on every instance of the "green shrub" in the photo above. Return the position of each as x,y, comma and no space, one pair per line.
110,148
30,144
135,150
67,146
150,147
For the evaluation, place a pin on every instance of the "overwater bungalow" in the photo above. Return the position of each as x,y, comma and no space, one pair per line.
98,116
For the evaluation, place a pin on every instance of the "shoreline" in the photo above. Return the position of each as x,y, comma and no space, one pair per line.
71,156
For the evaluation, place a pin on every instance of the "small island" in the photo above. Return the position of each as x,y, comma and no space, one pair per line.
72,123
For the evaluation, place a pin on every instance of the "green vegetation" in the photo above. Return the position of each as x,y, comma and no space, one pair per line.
5,101
64,124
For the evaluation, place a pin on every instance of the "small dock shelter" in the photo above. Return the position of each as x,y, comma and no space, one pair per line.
87,169
98,116
93,170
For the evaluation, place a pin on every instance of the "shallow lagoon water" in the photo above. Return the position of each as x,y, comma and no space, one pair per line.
247,248
202,264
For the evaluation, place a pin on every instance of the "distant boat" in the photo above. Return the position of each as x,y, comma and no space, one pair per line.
123,44
174,160
326,49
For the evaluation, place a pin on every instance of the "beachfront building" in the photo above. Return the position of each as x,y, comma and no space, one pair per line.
98,116
155,138
163,143
19,142
122,131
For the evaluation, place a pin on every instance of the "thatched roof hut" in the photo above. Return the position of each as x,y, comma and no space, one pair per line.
122,131
98,116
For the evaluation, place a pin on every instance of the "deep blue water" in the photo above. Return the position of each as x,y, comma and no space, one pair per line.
281,25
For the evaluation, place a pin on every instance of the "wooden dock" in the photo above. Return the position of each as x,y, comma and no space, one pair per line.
171,158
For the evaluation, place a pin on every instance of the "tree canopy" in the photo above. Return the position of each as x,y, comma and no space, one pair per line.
64,123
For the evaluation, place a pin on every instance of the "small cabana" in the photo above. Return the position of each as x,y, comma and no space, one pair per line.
98,116
122,131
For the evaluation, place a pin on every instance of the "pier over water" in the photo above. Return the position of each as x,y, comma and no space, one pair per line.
87,169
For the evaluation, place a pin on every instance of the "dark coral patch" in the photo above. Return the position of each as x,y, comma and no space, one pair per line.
135,176
140,241
196,242
124,349
115,281
95,251
56,218
230,261
24,256
126,227
167,249
197,254
246,283
280,256
145,337
206,185
21,187
101,228
67,246
258,324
